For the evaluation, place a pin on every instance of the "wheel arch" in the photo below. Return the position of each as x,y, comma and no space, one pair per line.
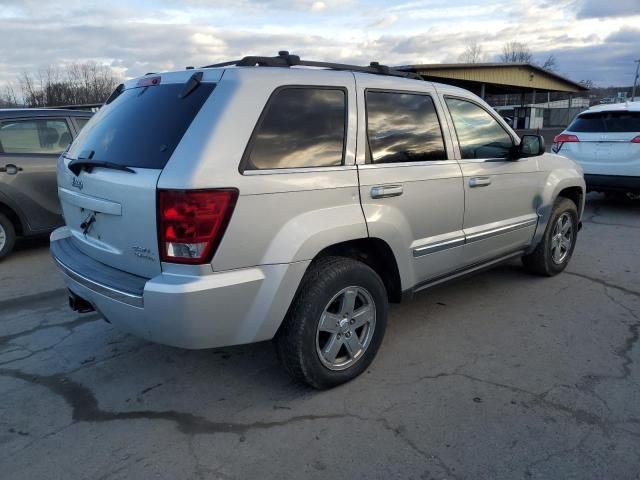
13,217
560,183
375,253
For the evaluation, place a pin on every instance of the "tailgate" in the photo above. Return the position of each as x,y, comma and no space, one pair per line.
112,216
108,197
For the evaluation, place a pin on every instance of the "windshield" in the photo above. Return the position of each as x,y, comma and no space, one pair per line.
620,121
142,126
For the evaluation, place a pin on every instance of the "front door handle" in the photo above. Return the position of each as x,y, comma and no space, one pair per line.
479,182
10,169
385,191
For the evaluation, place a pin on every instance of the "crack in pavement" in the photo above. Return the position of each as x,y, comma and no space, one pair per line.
84,407
604,283
558,453
69,326
19,302
608,224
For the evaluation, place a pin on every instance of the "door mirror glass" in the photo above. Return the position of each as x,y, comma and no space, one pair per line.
531,146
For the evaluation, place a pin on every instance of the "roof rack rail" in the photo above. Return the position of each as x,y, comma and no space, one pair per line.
285,60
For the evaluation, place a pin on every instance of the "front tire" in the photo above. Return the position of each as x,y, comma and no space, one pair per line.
7,236
335,324
553,253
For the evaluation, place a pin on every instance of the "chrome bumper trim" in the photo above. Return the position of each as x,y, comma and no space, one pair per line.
114,294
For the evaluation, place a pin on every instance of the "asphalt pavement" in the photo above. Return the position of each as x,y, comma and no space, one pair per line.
501,375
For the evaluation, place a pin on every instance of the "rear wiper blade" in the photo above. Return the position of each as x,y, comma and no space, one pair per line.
77,165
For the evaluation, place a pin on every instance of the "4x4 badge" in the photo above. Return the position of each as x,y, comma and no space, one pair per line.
76,182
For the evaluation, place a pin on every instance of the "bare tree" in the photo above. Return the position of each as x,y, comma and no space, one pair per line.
75,84
516,52
587,84
472,54
8,97
550,63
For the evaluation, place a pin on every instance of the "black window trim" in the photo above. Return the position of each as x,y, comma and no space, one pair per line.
242,167
32,118
515,141
369,161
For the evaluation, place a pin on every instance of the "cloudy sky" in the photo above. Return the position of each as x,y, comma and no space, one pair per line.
591,39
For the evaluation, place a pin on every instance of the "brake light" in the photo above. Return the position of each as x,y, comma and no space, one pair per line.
636,140
148,81
565,138
191,223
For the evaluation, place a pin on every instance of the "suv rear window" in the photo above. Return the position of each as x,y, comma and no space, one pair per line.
142,126
300,127
606,122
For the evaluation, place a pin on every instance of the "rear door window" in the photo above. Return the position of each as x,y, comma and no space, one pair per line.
34,136
403,127
479,134
300,127
142,126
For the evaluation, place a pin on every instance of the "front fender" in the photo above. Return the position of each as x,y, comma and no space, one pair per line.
562,173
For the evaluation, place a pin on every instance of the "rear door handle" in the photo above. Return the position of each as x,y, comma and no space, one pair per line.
10,169
479,182
384,191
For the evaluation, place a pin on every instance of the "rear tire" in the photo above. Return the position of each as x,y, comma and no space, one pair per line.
553,253
7,236
335,324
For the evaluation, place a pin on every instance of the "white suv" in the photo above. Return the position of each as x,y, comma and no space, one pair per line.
605,141
277,198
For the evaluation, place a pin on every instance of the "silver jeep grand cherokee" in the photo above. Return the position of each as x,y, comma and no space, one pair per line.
264,199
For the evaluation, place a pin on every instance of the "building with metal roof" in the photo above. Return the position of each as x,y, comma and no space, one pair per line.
496,78
503,82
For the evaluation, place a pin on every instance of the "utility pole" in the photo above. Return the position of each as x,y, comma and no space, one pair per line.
635,81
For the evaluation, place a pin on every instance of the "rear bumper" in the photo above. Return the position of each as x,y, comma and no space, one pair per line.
188,311
621,183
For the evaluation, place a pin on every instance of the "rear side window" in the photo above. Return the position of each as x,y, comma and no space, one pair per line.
300,127
614,122
37,136
479,134
142,126
403,127
81,122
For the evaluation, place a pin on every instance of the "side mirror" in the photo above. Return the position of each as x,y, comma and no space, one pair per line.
530,146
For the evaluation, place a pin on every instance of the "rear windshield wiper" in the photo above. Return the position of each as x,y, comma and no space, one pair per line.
76,166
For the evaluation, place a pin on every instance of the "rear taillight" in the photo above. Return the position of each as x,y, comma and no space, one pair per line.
636,140
191,223
565,138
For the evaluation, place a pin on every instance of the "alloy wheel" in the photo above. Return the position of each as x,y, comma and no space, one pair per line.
562,238
3,237
346,328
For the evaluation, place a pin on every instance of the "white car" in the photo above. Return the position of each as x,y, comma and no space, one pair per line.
605,141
